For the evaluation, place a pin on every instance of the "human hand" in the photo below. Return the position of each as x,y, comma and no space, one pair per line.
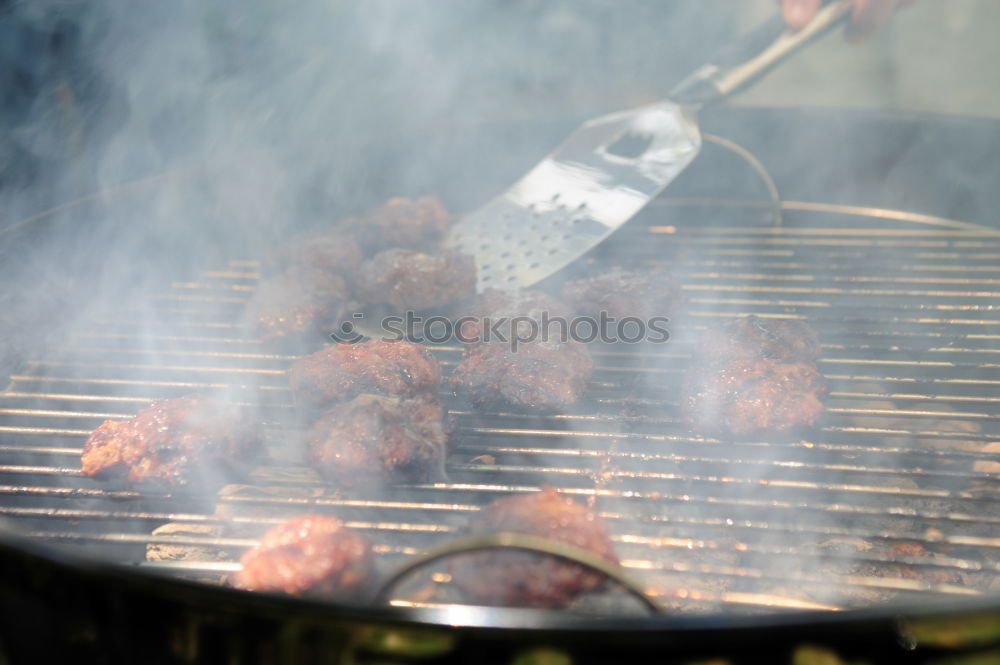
867,16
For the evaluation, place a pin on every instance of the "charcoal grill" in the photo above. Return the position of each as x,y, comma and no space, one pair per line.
816,536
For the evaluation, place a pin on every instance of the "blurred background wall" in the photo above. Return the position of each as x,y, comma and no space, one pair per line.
278,98
935,55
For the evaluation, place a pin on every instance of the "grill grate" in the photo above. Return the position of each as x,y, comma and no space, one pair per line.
896,494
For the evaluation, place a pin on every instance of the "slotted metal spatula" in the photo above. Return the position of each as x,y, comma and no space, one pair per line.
612,166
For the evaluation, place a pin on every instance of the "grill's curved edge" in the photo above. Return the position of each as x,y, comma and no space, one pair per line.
175,612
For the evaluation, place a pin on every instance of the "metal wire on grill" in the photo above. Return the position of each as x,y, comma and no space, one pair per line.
904,303
515,541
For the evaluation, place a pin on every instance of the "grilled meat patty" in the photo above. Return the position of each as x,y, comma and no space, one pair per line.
621,293
327,252
313,555
753,376
535,373
539,375
375,438
298,303
399,222
752,337
748,397
342,371
191,440
411,280
525,579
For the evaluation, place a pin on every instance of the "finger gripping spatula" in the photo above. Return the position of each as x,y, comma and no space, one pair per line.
612,166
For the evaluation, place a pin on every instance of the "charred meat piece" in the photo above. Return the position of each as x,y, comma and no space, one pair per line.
343,371
313,556
537,374
187,441
375,438
753,376
298,303
624,293
752,337
399,222
515,353
750,397
411,280
525,579
325,252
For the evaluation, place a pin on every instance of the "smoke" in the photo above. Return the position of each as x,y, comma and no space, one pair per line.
266,120
322,107
260,120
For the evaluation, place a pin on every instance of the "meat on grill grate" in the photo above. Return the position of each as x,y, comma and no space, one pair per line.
753,337
528,363
751,376
299,303
527,579
313,555
399,222
342,371
538,375
326,251
191,440
379,439
410,280
906,451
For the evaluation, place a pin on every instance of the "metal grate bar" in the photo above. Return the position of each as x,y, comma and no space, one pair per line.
908,452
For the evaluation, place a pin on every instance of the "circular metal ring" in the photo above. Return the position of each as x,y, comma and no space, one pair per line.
758,168
518,541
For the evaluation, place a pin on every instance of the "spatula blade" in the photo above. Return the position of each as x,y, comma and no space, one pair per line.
598,179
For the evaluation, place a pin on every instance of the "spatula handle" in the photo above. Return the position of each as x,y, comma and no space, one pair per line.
753,55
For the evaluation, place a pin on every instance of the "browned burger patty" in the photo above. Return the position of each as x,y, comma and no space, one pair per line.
312,556
399,222
411,280
537,373
542,375
622,293
751,337
375,438
524,579
191,440
748,397
342,371
753,376
327,252
298,303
